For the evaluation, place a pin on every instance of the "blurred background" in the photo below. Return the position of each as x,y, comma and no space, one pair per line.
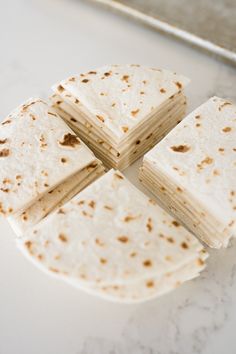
44,41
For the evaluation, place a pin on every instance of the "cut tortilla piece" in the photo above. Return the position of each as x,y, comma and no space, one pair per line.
55,198
38,151
192,172
113,106
111,234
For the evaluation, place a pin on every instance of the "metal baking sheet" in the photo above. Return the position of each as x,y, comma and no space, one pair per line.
207,24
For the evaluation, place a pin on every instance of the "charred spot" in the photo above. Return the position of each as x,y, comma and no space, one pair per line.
125,78
226,129
162,90
63,160
3,141
123,239
184,245
180,148
175,223
125,129
8,121
4,153
92,204
103,260
149,225
62,238
150,284
135,112
92,72
178,84
85,81
70,140
60,88
147,263
100,118
138,142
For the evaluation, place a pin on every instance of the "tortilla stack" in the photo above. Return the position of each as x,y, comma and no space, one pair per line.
193,172
41,162
121,111
112,241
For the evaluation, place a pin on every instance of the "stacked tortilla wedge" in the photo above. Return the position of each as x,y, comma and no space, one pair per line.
113,241
121,111
42,163
193,171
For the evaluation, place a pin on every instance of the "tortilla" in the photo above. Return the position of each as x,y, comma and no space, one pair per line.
117,103
110,235
192,171
55,198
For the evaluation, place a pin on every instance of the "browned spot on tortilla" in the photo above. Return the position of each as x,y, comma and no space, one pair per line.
40,257
103,260
118,176
149,225
5,190
63,160
99,242
123,239
168,258
3,141
162,90
207,161
129,218
179,189
175,223
197,116
100,118
142,92
85,81
216,172
125,78
60,88
72,79
197,125
147,263
24,216
231,223
125,129
61,211
180,148
46,185
81,202
52,114
226,129
92,72
133,254
8,121
232,193
62,238
200,262
163,189
108,207
28,245
170,239
73,119
107,74
221,149
4,152
150,284
92,204
70,140
223,105
135,112
151,201
178,84
184,245
113,104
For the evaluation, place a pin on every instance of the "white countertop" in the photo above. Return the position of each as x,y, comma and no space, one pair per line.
41,43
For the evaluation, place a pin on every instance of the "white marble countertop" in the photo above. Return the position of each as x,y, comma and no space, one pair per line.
42,42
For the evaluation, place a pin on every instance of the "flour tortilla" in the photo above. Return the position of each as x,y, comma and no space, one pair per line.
38,151
55,198
119,98
110,234
198,158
